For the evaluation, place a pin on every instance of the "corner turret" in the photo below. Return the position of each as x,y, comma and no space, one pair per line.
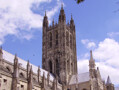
28,69
15,79
30,80
109,84
91,61
62,17
45,21
72,25
43,81
39,72
92,69
16,66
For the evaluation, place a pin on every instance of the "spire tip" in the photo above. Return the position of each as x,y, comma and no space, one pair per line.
45,13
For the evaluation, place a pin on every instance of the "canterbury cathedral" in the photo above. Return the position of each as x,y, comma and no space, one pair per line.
59,63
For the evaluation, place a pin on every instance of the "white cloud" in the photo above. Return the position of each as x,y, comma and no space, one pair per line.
106,55
18,19
1,42
113,34
83,65
89,44
108,52
84,41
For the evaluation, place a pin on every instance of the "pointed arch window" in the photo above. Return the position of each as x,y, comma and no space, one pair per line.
67,38
57,67
84,89
50,41
56,35
8,69
21,75
50,66
71,41
68,64
72,67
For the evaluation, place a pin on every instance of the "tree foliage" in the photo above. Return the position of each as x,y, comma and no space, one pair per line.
79,1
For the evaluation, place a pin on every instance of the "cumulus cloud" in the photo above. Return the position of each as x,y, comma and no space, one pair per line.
17,17
83,65
108,52
106,55
113,34
89,44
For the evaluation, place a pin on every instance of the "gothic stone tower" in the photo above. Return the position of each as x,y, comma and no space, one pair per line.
59,48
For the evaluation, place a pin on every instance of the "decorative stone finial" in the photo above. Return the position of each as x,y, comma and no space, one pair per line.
28,62
31,69
71,17
61,5
38,70
45,13
16,58
1,53
53,22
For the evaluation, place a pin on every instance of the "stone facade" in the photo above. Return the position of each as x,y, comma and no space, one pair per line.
59,63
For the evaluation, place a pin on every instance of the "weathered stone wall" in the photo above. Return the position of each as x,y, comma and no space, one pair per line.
5,82
6,79
80,86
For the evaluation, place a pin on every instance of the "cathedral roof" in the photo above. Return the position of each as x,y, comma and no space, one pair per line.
10,58
79,78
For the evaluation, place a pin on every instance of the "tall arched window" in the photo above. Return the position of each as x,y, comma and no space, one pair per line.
57,67
72,67
68,68
21,75
8,69
50,66
71,41
50,41
56,37
67,38
84,89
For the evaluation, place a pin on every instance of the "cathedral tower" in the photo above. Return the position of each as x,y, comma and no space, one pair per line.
59,48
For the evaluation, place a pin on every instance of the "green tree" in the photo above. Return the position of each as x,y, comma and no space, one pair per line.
79,1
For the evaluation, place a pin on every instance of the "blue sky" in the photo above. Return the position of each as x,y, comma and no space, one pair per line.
97,28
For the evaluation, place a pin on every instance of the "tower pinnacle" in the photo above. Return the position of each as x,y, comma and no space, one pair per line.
91,55
109,80
91,61
62,6
72,22
62,17
45,20
45,13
